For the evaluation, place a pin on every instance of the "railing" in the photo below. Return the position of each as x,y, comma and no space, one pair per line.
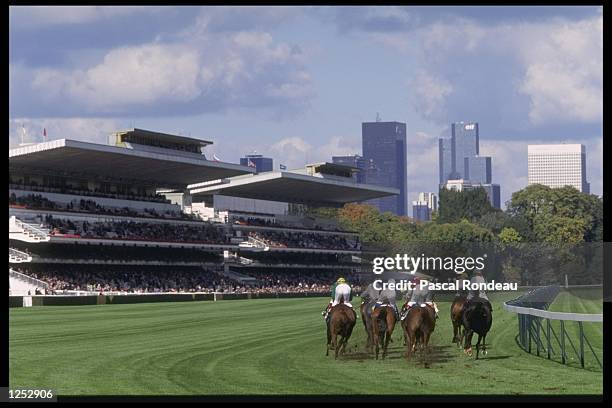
31,229
29,279
537,328
258,242
19,256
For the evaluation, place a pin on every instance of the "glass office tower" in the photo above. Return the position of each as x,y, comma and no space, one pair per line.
384,143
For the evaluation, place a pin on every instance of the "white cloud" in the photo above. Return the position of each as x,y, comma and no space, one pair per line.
210,72
557,65
293,152
564,71
430,94
130,75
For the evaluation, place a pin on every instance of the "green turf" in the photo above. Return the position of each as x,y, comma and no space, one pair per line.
274,346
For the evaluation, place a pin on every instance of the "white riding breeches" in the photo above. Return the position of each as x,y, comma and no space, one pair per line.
343,291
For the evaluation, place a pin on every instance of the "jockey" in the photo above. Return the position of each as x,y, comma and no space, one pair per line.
477,293
339,291
387,296
458,282
420,296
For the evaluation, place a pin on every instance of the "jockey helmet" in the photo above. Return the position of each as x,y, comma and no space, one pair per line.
341,280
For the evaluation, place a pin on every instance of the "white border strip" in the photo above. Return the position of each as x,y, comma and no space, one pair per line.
578,317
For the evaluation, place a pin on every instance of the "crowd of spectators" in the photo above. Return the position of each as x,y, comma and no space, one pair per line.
289,239
121,253
297,281
261,222
158,279
133,279
34,186
37,201
300,258
145,231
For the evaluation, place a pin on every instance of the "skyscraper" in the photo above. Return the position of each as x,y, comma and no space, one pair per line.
447,159
464,142
558,165
424,206
385,144
257,161
431,199
421,211
477,169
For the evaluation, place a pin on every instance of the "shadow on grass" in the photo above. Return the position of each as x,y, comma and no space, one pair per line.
438,354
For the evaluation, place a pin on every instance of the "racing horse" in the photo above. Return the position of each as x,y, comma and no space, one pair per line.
382,324
418,325
477,318
456,314
366,317
341,322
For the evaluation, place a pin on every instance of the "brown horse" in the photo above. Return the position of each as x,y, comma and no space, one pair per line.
418,326
383,323
367,324
457,319
341,322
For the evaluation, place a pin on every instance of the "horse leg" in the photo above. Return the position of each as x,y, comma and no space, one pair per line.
478,346
344,341
468,342
484,344
455,334
409,345
328,340
335,343
338,347
426,336
386,344
375,337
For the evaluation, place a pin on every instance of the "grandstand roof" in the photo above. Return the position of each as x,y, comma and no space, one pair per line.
162,169
290,187
166,137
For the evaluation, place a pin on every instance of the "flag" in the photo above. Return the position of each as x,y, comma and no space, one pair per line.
251,164
215,158
283,167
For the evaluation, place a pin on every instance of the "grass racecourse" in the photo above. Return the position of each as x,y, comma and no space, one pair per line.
274,346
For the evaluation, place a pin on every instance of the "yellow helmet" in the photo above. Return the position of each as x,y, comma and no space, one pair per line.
341,280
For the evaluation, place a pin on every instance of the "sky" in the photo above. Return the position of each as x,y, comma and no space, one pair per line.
295,83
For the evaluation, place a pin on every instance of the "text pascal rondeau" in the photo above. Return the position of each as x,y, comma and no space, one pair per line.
465,284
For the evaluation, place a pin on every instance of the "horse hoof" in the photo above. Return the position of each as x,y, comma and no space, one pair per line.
484,352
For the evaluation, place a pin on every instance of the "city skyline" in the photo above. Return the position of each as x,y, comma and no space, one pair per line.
295,83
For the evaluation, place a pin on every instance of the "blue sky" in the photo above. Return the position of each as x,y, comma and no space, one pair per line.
295,83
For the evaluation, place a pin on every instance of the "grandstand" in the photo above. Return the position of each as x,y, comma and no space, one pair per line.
148,212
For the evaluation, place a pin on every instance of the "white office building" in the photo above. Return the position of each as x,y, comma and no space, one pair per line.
558,165
430,199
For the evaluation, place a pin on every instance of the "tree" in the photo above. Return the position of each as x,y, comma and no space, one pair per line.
509,236
555,214
468,204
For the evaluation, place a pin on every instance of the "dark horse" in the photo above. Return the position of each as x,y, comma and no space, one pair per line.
418,326
366,318
383,323
457,319
477,318
341,322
